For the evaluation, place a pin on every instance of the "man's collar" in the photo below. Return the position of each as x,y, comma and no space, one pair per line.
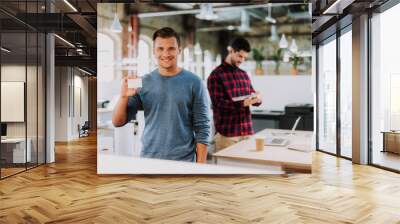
229,65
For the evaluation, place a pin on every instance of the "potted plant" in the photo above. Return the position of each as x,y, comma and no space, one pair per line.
277,57
295,60
258,57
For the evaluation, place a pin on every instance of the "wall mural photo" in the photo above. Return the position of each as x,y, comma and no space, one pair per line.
181,88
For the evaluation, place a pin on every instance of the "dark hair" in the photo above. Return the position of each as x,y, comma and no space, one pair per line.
167,32
239,44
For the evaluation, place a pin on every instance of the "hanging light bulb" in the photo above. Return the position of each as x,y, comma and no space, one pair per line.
116,25
283,42
293,46
244,21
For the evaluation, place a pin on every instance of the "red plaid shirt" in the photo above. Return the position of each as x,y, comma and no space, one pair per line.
231,118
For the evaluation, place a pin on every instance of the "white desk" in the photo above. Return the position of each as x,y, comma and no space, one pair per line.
115,164
18,154
244,153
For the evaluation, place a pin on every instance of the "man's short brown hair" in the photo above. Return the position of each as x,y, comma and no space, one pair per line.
240,44
166,32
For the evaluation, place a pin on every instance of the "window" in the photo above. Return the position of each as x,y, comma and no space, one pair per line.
346,94
105,57
385,86
327,96
394,101
144,56
22,65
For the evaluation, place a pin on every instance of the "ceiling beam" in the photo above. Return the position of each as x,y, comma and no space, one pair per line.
84,24
337,7
91,5
82,61
215,9
320,22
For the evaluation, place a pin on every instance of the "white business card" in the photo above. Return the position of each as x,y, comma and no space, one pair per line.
135,83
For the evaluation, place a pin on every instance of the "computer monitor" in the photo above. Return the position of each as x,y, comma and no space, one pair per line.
3,129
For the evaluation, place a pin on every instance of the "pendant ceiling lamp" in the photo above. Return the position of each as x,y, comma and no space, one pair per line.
116,25
293,46
283,42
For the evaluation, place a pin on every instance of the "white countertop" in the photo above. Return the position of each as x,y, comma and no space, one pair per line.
116,164
274,155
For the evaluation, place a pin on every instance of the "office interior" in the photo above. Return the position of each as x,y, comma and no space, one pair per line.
357,84
49,83
128,51
22,97
39,108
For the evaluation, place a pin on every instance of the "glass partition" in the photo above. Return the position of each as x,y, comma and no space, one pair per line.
346,93
327,96
14,153
385,89
22,64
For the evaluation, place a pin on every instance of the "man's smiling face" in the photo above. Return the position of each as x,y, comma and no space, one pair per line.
166,51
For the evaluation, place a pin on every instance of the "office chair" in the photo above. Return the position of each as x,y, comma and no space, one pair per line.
84,130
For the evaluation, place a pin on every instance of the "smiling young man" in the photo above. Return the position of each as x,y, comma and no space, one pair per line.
232,119
175,106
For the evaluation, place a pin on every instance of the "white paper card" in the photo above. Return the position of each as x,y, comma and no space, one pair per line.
135,83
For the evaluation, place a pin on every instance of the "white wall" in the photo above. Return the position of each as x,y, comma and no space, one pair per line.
61,103
68,81
124,142
79,118
279,90
33,125
12,73
17,73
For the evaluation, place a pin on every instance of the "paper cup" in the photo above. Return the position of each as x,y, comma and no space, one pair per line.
260,143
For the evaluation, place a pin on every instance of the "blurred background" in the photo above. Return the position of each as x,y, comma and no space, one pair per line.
279,63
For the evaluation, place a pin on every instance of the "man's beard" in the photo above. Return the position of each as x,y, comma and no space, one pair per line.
234,63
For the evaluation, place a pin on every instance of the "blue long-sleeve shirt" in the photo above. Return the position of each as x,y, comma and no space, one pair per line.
176,115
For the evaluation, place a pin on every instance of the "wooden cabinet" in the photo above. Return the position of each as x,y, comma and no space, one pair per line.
391,142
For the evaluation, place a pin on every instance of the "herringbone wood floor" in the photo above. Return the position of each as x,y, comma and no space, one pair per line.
70,191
